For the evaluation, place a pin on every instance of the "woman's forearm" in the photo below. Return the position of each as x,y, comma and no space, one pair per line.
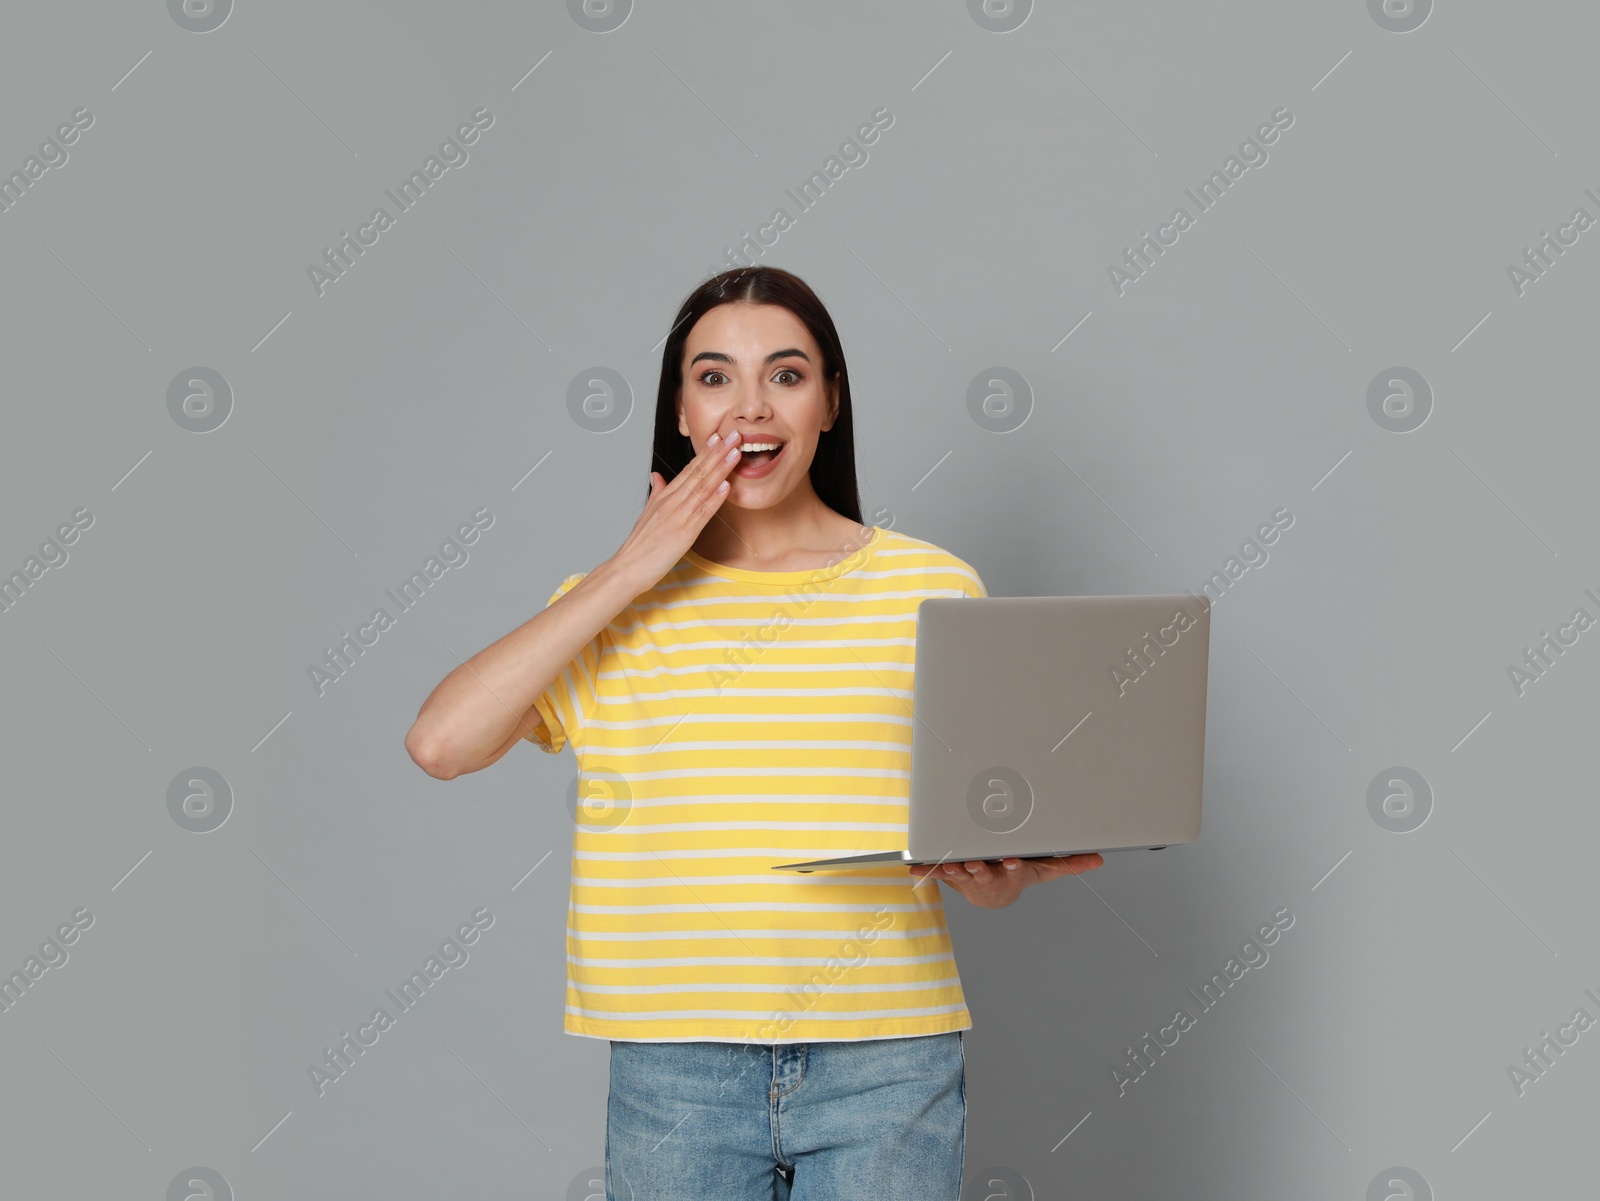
480,709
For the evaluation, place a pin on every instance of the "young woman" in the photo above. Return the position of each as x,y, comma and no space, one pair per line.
736,684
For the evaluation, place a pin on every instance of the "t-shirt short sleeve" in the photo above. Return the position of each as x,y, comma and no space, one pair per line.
560,706
974,587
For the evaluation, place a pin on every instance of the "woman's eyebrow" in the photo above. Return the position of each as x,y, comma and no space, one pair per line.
718,356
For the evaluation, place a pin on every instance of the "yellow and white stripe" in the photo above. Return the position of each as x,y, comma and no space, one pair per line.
748,718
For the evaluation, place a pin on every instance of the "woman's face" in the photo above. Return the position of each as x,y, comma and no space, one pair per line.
755,368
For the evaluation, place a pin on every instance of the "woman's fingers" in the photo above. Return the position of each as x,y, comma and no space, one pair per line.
1078,864
1083,862
716,469
708,468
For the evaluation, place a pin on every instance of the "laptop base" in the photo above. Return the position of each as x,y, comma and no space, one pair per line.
872,857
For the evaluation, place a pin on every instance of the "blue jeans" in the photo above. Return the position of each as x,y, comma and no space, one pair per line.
876,1120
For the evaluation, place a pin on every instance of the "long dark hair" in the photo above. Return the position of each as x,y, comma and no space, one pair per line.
833,468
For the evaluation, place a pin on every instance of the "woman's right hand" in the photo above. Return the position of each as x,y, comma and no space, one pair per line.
676,513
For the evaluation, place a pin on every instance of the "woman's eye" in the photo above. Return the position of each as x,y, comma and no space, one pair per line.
707,376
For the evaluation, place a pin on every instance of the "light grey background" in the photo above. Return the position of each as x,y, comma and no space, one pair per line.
371,421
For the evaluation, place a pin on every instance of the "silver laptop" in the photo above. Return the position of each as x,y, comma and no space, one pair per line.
1052,725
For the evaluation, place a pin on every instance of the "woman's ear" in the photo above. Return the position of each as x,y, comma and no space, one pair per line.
832,413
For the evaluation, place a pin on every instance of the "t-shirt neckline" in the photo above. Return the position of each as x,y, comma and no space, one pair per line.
786,578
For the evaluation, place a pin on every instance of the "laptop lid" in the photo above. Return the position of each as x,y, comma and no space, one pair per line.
1057,724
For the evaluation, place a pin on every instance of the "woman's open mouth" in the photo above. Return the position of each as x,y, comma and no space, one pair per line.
753,464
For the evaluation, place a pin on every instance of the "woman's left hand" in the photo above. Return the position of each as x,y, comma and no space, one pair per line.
996,883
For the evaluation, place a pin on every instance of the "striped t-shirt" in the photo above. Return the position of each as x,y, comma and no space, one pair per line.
725,721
